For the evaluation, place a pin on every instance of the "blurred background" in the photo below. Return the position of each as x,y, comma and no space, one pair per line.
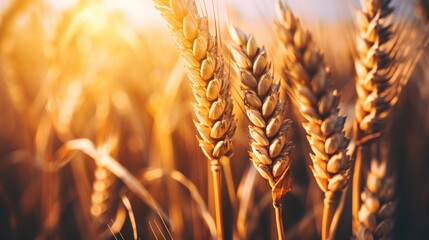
109,71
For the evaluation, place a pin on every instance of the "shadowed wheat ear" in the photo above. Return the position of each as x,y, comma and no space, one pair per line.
382,69
387,52
375,66
205,68
373,83
304,67
376,214
266,112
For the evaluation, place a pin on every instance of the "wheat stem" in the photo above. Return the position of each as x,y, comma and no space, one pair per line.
279,221
229,181
328,213
337,215
356,186
216,172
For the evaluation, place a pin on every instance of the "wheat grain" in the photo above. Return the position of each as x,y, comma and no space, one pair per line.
304,67
266,112
204,67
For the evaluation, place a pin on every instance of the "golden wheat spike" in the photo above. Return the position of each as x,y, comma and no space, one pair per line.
266,111
317,101
205,68
374,66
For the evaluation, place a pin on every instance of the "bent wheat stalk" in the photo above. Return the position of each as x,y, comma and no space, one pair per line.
205,68
304,67
266,112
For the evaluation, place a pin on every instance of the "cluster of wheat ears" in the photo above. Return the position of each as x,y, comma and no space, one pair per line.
380,78
229,74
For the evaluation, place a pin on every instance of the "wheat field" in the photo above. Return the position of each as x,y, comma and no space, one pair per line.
197,119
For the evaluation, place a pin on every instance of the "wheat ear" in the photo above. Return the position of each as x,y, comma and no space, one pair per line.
376,214
374,66
266,112
303,65
375,84
205,68
105,185
102,200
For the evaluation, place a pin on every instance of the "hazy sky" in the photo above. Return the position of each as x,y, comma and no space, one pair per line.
142,12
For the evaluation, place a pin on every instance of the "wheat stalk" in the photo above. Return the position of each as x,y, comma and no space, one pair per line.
204,67
303,65
376,214
266,112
